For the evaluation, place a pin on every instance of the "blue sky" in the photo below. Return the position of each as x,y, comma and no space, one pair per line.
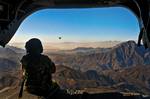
79,25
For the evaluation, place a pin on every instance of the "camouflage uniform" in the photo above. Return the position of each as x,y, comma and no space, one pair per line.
38,70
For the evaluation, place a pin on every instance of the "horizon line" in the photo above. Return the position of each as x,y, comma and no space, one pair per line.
82,41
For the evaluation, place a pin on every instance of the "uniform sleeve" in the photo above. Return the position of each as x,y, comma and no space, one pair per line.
52,65
23,62
23,65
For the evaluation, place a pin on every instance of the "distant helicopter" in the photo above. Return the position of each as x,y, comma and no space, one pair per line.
60,38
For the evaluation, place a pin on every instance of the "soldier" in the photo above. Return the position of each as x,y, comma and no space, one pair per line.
38,69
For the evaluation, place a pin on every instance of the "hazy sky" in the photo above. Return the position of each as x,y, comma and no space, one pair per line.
79,25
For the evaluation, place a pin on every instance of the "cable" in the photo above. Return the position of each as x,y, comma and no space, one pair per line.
144,28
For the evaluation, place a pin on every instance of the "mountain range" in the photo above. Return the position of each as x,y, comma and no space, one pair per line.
123,68
123,55
9,67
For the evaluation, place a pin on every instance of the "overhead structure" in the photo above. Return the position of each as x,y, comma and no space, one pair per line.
13,12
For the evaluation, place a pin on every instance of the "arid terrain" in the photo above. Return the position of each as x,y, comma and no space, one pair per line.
123,68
